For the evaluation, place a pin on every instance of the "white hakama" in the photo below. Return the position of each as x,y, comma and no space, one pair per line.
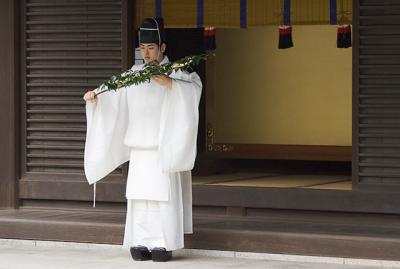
154,223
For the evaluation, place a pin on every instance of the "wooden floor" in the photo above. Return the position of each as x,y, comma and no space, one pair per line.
278,180
373,236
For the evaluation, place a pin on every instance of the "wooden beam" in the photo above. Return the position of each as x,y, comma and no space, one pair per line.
283,152
355,93
8,104
106,190
297,199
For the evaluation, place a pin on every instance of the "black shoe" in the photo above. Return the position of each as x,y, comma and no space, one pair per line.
140,253
160,255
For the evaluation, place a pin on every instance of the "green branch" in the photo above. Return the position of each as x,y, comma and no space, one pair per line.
153,68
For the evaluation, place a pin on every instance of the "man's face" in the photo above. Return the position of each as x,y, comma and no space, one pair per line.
151,52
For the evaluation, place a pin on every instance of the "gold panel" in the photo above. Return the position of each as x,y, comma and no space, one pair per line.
180,14
222,13
144,9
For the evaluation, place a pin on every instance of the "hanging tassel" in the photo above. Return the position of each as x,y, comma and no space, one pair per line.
285,30
94,195
344,30
285,37
209,38
344,36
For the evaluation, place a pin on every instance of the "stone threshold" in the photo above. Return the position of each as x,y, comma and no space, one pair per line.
210,253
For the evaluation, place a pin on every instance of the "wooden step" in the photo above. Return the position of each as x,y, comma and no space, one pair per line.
371,236
63,225
297,238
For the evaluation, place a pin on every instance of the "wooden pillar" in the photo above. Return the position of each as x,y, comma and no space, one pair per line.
8,104
376,98
355,94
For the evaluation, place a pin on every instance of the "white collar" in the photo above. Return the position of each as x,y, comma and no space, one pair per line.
165,60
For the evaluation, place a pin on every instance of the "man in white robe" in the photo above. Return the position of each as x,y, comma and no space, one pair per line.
154,126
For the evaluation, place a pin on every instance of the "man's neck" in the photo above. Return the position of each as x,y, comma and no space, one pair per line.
161,58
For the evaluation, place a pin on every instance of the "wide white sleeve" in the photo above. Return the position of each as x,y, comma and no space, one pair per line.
107,121
179,123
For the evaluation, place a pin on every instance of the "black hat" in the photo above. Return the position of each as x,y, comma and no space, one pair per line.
152,31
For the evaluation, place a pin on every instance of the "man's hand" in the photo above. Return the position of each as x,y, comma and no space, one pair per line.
90,96
163,81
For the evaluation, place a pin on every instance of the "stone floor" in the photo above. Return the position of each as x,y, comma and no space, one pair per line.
16,254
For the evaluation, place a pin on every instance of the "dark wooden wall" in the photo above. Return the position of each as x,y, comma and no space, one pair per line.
8,108
376,99
67,47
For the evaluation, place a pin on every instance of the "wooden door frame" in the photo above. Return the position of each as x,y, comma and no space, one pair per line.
9,104
355,93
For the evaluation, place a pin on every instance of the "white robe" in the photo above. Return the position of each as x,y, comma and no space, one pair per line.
118,125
